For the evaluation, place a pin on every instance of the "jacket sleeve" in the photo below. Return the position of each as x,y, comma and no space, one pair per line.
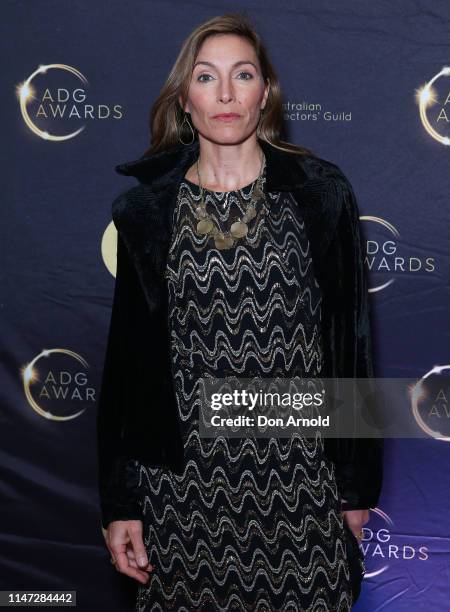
358,461
117,470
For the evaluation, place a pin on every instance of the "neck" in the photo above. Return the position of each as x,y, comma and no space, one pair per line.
226,167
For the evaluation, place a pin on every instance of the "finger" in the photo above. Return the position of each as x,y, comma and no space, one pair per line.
118,550
133,563
140,554
354,525
149,567
356,529
123,566
352,518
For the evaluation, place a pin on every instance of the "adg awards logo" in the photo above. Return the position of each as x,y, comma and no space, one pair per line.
56,381
433,99
430,403
56,104
382,548
56,384
386,256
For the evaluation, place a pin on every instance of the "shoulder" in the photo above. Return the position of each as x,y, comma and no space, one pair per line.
127,204
328,177
321,169
330,201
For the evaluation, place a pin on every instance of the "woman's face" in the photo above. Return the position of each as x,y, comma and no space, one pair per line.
226,79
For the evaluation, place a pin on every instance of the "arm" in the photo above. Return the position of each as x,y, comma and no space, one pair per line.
118,475
359,461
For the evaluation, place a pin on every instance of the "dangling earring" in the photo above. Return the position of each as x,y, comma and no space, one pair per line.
180,129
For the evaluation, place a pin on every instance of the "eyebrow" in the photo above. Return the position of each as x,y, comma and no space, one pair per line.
239,63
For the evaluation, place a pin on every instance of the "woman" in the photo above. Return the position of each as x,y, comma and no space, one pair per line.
235,253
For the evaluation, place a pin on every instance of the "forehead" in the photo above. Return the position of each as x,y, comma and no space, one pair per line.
226,49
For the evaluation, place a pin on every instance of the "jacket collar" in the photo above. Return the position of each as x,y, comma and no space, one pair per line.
284,171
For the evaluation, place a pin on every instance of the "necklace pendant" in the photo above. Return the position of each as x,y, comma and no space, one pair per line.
258,193
204,226
249,215
239,229
228,240
219,241
201,212
223,241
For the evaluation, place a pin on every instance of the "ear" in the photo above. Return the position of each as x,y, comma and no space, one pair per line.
186,106
266,94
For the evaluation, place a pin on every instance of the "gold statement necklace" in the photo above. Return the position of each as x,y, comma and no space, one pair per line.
239,229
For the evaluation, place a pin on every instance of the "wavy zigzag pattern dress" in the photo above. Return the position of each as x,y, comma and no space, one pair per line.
251,524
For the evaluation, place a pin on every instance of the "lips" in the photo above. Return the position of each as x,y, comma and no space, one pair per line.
227,116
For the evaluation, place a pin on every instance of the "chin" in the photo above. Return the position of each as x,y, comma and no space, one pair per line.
231,138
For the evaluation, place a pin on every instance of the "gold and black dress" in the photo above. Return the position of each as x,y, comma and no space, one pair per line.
251,524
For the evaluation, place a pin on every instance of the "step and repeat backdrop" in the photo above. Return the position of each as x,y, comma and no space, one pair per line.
366,85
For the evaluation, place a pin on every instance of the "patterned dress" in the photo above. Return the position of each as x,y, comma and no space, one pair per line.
251,524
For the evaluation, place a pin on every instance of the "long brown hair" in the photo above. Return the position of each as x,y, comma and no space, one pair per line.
166,115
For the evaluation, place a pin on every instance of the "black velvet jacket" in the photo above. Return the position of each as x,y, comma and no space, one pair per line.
137,414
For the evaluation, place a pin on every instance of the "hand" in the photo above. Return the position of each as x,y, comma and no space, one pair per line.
355,520
125,543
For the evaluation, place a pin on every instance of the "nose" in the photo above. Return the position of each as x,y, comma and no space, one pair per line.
226,93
